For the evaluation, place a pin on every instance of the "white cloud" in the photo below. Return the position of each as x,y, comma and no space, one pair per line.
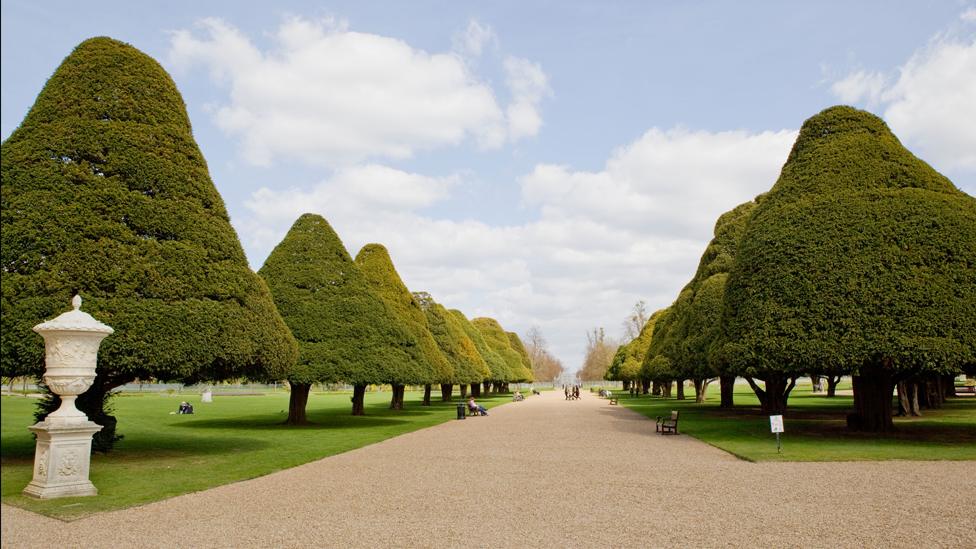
601,240
326,95
528,85
472,41
930,101
860,87
969,15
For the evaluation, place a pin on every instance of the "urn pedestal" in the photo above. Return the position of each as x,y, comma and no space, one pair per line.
64,438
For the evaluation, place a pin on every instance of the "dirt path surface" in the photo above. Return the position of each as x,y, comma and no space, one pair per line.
546,473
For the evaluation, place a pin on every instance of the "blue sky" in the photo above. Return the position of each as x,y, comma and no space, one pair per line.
547,164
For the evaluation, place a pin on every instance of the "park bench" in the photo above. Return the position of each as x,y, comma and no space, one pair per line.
667,425
965,389
613,400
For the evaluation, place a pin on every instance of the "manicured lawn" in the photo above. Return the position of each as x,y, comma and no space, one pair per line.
815,428
231,439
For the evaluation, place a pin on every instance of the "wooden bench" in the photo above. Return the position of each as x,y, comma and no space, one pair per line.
965,389
666,425
613,400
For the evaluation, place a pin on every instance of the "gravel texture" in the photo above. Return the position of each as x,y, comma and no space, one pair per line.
546,473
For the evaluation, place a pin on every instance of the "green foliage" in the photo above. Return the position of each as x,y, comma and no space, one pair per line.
496,338
345,332
105,193
460,351
494,361
523,374
613,371
654,365
377,267
860,254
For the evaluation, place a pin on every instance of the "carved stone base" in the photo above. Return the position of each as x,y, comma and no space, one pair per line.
62,458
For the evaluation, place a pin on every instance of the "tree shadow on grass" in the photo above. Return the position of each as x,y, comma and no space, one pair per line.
276,422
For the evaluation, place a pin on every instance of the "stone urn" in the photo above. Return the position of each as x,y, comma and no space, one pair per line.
64,437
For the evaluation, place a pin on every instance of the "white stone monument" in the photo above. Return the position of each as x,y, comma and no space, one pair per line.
64,437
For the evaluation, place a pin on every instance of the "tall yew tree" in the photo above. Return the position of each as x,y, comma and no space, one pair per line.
693,327
497,339
375,263
105,193
494,361
860,257
345,333
524,374
459,349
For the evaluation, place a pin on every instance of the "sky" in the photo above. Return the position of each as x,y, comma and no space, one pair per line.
544,163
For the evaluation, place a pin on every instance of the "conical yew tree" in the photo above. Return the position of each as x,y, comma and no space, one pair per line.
105,193
497,339
345,333
384,281
496,364
860,257
460,351
686,335
524,374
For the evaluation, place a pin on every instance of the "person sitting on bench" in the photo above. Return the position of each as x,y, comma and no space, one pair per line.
476,409
518,396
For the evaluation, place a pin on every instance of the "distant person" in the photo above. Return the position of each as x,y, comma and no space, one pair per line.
518,396
185,408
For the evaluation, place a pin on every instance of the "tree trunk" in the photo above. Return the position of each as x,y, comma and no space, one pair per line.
727,387
655,388
447,389
681,389
464,390
701,385
358,398
488,385
476,390
815,384
645,386
426,401
908,399
396,403
296,403
832,382
626,385
872,399
775,396
949,383
666,389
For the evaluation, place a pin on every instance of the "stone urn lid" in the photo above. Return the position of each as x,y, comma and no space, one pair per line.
74,320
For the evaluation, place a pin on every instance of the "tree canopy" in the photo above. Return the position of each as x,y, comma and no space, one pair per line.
384,281
860,257
346,333
497,339
524,374
105,193
467,364
494,361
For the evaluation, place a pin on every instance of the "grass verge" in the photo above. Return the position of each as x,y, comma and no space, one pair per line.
231,439
816,429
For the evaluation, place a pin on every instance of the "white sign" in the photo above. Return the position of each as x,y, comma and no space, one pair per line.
776,424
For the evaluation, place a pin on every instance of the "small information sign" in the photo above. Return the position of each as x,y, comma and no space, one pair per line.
776,424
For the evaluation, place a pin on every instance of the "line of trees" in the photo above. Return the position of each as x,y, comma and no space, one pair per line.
105,193
859,261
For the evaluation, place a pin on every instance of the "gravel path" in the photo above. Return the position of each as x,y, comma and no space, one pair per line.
546,473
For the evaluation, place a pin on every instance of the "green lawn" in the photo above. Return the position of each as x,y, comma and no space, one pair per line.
815,428
234,438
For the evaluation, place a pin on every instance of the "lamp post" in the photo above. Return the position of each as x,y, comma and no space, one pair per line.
63,453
